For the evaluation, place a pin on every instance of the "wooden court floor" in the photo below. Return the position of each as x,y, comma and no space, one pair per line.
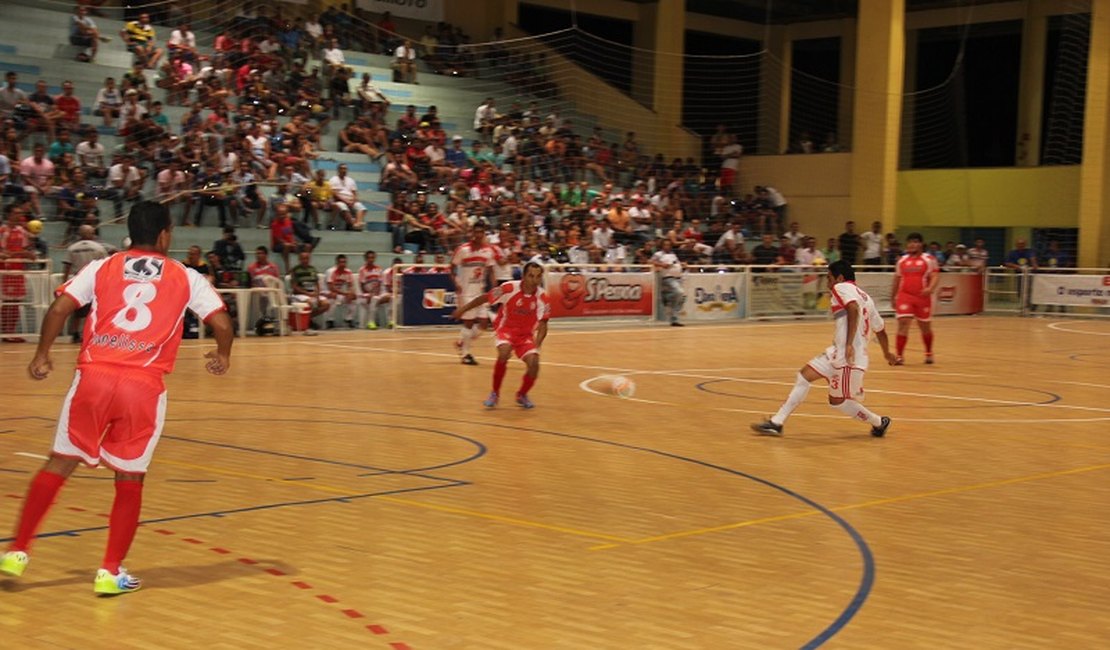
350,491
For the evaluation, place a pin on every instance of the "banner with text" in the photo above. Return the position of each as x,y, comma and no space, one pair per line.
427,298
577,295
714,296
1085,290
429,10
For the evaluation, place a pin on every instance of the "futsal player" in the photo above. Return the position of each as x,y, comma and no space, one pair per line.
519,328
471,268
916,275
116,406
843,363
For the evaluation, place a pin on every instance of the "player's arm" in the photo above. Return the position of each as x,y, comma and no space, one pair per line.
852,310
897,279
52,324
884,343
934,279
219,360
541,333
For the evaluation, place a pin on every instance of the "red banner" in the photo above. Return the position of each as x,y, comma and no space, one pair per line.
578,295
959,293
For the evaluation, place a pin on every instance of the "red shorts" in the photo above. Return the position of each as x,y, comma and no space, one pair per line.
911,306
114,415
523,344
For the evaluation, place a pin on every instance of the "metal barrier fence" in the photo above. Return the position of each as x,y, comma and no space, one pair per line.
26,291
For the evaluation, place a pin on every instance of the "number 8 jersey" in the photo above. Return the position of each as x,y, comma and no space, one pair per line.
138,300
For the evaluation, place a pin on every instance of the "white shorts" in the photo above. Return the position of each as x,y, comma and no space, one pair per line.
845,382
481,312
313,302
342,207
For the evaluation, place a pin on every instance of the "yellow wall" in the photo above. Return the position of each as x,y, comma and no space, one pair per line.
1045,197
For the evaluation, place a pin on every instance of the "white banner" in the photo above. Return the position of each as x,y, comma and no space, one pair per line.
714,296
1085,290
429,10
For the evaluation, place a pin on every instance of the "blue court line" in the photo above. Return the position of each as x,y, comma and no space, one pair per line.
1052,397
75,532
416,471
867,579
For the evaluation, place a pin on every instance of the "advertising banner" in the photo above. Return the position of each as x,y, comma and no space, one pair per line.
427,298
788,292
429,10
578,295
714,296
1078,290
959,293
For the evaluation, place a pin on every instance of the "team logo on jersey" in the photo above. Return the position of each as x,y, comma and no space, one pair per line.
143,269
439,299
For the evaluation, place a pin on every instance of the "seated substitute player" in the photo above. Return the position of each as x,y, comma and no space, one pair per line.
340,292
115,408
306,288
371,291
520,327
471,266
916,275
843,363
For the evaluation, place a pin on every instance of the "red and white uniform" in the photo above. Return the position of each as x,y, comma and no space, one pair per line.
369,282
472,265
116,406
256,271
343,280
846,380
518,317
13,239
915,273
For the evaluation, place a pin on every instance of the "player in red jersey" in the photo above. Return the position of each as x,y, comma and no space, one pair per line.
520,328
116,406
471,266
915,281
14,246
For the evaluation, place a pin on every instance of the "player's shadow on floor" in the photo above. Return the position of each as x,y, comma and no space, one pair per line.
165,577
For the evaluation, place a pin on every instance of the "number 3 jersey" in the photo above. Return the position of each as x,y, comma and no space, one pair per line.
137,302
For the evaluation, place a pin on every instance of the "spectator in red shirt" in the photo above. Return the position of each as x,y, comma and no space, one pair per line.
282,236
69,105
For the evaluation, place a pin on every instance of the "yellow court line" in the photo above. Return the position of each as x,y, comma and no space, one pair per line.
507,520
856,506
273,479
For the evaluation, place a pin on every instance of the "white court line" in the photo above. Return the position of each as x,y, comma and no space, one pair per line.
30,455
775,383
1059,327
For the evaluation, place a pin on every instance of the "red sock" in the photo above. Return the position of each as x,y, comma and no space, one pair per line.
900,344
928,339
40,496
123,522
526,384
499,368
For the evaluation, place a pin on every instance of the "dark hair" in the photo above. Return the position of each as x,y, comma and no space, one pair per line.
915,236
262,249
841,268
340,256
146,222
530,265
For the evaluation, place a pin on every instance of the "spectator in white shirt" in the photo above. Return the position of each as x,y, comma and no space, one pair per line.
872,242
108,102
345,196
484,118
796,237
333,57
404,62
90,155
37,173
183,43
124,183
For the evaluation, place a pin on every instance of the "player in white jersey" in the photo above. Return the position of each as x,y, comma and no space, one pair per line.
370,291
471,267
844,362
340,288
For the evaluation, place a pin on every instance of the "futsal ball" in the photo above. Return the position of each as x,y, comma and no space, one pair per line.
619,385
34,226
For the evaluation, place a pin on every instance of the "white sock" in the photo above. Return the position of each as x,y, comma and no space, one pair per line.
796,397
464,340
857,411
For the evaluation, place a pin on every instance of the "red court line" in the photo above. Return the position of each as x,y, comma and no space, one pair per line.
275,572
353,613
191,540
302,585
247,560
163,531
221,551
328,599
377,629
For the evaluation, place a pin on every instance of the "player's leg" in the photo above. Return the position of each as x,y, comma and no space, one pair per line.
466,334
924,316
504,351
816,369
843,393
902,337
531,358
76,438
138,408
